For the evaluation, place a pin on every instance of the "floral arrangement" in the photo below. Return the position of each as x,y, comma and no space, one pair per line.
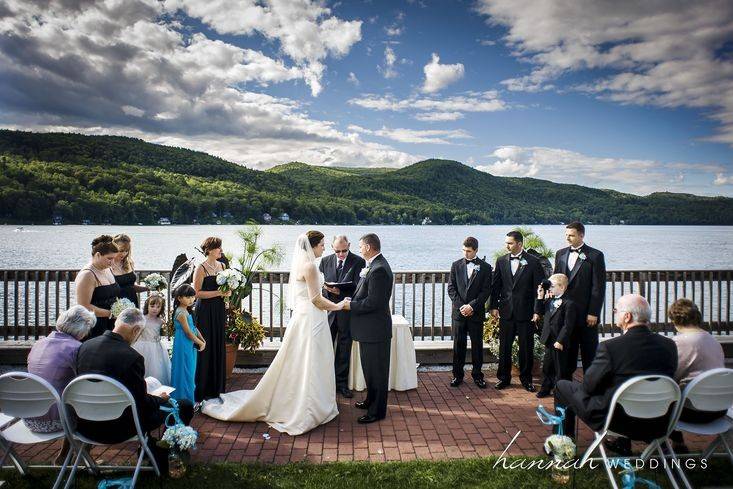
245,331
156,282
229,280
491,338
561,447
120,305
179,437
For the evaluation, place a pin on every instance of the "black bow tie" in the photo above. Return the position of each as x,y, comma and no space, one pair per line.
474,261
515,258
579,250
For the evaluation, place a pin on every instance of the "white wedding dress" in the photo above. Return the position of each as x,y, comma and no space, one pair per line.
298,391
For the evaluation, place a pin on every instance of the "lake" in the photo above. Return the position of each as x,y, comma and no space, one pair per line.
406,247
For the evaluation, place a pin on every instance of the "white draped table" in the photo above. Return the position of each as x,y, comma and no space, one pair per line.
402,362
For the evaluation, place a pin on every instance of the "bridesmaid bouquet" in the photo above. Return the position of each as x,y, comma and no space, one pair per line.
156,282
120,305
229,280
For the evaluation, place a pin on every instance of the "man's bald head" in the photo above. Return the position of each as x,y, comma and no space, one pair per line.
632,310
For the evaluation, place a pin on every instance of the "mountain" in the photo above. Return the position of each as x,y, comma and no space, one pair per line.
123,180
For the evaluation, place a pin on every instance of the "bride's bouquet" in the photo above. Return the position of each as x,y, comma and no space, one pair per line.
120,305
156,282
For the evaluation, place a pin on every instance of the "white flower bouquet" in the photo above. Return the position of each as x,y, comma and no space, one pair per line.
229,280
561,447
120,305
155,281
180,437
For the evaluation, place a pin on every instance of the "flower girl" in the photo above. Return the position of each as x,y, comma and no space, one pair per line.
186,341
157,363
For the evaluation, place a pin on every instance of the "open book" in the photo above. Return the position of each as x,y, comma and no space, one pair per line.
155,388
340,284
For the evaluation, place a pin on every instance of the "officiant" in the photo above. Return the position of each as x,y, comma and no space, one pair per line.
341,271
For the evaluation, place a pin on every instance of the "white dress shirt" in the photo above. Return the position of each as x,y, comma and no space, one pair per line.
515,263
369,262
573,258
470,267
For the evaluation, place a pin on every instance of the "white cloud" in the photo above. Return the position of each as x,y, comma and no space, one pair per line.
722,179
666,54
397,27
390,58
432,108
438,76
128,68
305,30
627,175
353,79
415,136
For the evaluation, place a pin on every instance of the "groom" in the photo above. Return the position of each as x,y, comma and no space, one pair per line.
371,326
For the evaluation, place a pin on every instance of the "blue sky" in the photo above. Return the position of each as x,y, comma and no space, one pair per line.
637,98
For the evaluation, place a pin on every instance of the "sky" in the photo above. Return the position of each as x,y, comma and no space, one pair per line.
626,95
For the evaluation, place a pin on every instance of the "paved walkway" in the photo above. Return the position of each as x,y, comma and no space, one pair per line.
432,422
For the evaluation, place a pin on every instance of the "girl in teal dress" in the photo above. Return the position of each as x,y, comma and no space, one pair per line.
186,341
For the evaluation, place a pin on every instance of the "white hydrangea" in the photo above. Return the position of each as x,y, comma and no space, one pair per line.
229,279
156,282
120,305
561,447
180,437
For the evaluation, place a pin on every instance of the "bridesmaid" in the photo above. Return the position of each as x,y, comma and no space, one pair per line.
210,318
123,269
96,288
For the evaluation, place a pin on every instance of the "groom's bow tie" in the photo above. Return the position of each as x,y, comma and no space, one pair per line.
576,250
474,261
514,257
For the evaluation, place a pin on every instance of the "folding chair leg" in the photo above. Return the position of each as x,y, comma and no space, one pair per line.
667,469
79,456
678,468
727,447
607,465
710,450
140,459
64,466
591,448
13,456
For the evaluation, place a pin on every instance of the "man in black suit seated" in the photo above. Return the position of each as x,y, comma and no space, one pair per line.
343,267
558,323
112,355
469,289
516,277
586,271
639,351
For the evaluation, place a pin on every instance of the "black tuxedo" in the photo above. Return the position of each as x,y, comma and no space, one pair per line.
638,352
340,320
587,288
110,355
558,324
371,326
514,296
474,291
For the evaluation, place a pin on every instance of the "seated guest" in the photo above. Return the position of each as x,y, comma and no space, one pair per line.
112,355
697,352
559,319
638,351
53,358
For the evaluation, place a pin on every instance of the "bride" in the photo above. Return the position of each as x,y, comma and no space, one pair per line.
298,391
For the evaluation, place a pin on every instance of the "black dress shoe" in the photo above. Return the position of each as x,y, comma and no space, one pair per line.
543,393
529,387
456,382
346,392
480,383
620,445
502,384
367,419
361,405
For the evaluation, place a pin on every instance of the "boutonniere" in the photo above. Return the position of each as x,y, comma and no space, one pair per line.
522,262
581,255
558,302
364,272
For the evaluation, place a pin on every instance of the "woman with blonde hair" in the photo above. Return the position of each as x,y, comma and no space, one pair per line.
123,268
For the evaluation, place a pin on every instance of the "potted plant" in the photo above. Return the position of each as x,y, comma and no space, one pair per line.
242,329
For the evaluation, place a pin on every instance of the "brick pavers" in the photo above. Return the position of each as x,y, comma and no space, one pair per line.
433,422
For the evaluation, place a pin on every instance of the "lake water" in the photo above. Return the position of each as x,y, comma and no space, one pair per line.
406,247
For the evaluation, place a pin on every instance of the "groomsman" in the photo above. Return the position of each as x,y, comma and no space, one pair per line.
516,277
343,267
469,289
586,271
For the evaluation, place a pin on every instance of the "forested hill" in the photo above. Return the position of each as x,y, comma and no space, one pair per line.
125,181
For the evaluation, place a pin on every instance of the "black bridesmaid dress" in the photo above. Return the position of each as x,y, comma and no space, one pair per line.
126,281
103,296
210,319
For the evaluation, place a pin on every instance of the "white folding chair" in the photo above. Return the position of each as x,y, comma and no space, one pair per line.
25,395
709,391
644,397
100,398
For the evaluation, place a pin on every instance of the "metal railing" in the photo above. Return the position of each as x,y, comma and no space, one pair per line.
30,300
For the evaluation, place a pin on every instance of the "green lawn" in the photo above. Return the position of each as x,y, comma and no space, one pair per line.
419,474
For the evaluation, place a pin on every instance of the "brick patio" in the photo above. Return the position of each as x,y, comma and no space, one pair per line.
432,422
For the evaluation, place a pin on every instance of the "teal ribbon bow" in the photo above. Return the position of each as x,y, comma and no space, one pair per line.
551,419
629,479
